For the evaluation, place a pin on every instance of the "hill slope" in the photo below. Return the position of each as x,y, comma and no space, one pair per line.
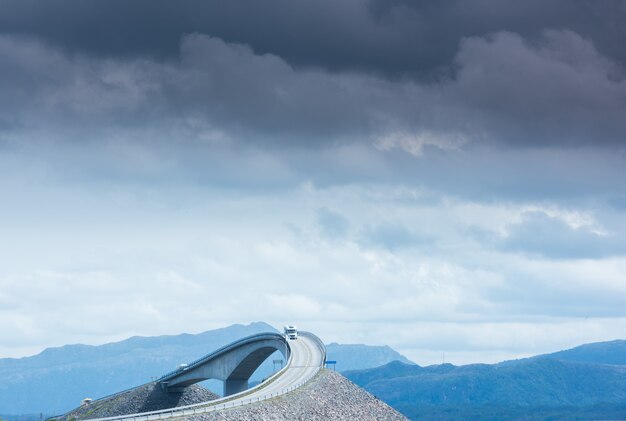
613,353
563,385
536,382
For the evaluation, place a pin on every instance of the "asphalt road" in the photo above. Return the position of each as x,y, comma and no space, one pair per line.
306,360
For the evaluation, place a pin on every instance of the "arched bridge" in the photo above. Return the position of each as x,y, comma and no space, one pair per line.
233,363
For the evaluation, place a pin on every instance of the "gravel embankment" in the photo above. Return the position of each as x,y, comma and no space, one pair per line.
149,397
329,396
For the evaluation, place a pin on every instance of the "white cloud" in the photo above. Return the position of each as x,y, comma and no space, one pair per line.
144,197
134,261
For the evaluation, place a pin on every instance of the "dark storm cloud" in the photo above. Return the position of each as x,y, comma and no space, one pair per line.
394,37
215,90
506,90
87,70
560,91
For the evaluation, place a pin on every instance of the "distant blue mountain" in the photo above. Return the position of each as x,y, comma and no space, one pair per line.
57,379
587,382
356,356
613,353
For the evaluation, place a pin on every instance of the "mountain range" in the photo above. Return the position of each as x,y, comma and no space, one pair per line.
586,382
57,379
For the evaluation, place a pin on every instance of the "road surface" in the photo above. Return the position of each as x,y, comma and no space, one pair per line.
307,357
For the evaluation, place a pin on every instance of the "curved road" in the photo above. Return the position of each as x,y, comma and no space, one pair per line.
307,357
306,360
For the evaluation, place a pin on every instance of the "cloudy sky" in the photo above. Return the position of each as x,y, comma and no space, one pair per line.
435,176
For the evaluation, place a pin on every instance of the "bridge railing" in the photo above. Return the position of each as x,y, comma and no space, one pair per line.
229,346
203,408
317,341
219,351
232,400
183,411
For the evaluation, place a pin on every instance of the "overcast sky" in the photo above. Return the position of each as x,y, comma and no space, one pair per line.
435,176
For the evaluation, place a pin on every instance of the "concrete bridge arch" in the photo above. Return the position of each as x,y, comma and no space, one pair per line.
233,364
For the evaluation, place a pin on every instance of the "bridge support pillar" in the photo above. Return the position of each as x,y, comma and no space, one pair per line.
232,386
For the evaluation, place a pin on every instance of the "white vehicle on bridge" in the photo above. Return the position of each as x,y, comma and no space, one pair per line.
291,332
233,364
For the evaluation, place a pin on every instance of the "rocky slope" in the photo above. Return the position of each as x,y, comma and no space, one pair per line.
149,397
329,396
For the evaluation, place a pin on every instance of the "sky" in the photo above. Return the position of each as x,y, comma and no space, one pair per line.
446,178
